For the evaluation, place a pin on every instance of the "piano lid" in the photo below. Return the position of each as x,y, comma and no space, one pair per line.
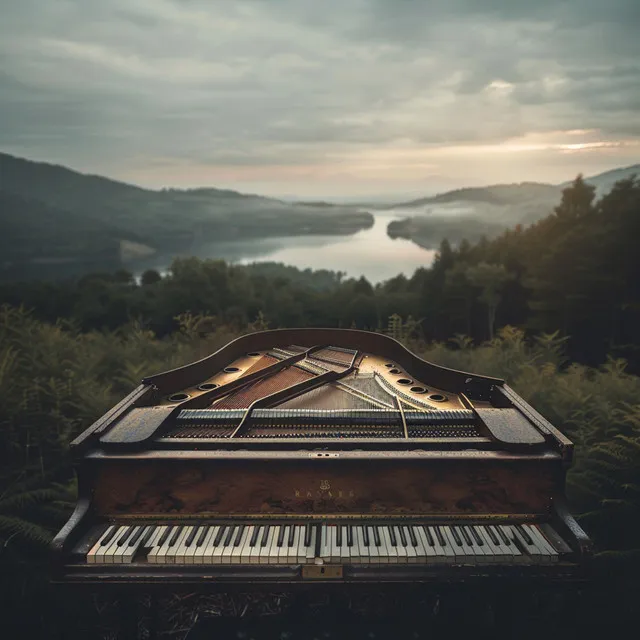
322,386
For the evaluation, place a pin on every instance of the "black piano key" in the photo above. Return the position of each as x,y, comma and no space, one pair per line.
523,532
392,535
492,535
219,536
412,537
202,536
136,536
229,536
466,536
110,536
504,536
365,535
124,536
318,544
456,536
281,533
442,540
350,536
164,536
265,536
427,533
191,536
403,536
236,542
254,536
292,536
339,536
174,536
476,537
377,540
307,534
145,538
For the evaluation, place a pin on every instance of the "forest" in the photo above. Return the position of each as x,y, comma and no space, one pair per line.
553,308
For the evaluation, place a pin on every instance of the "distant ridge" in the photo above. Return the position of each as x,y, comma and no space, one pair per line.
604,181
79,216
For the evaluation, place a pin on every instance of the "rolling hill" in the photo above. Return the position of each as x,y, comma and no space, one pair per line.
71,209
472,213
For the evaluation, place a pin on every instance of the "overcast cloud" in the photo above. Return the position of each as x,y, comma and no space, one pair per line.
322,97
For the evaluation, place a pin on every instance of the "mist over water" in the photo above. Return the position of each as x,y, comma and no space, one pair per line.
370,252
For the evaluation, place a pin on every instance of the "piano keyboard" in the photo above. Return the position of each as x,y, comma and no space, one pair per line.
328,544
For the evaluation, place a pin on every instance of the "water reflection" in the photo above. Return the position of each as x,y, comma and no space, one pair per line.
370,252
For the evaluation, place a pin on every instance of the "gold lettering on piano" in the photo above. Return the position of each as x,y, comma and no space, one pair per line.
324,492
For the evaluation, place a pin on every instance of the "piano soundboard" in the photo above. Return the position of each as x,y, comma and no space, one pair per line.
316,454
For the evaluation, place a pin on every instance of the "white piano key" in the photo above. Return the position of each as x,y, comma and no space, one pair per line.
153,545
355,553
245,552
190,551
530,553
509,546
228,549
202,553
236,553
163,551
94,556
345,550
362,550
218,549
113,547
382,550
400,548
541,543
292,551
391,550
301,555
283,551
411,550
254,553
175,552
459,551
426,551
311,549
482,554
376,555
274,550
180,549
494,552
128,554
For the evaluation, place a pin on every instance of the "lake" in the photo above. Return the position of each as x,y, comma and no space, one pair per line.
371,252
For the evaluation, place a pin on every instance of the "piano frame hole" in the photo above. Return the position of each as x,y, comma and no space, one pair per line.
418,390
395,371
404,381
438,397
253,354
389,365
207,386
231,369
178,397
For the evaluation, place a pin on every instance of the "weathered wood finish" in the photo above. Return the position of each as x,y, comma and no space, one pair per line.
332,487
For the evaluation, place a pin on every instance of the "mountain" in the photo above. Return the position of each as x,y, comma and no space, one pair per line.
604,181
497,194
472,213
139,221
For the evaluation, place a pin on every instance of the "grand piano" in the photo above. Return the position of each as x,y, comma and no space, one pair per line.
334,456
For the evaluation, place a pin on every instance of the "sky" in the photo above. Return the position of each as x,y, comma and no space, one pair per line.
322,98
